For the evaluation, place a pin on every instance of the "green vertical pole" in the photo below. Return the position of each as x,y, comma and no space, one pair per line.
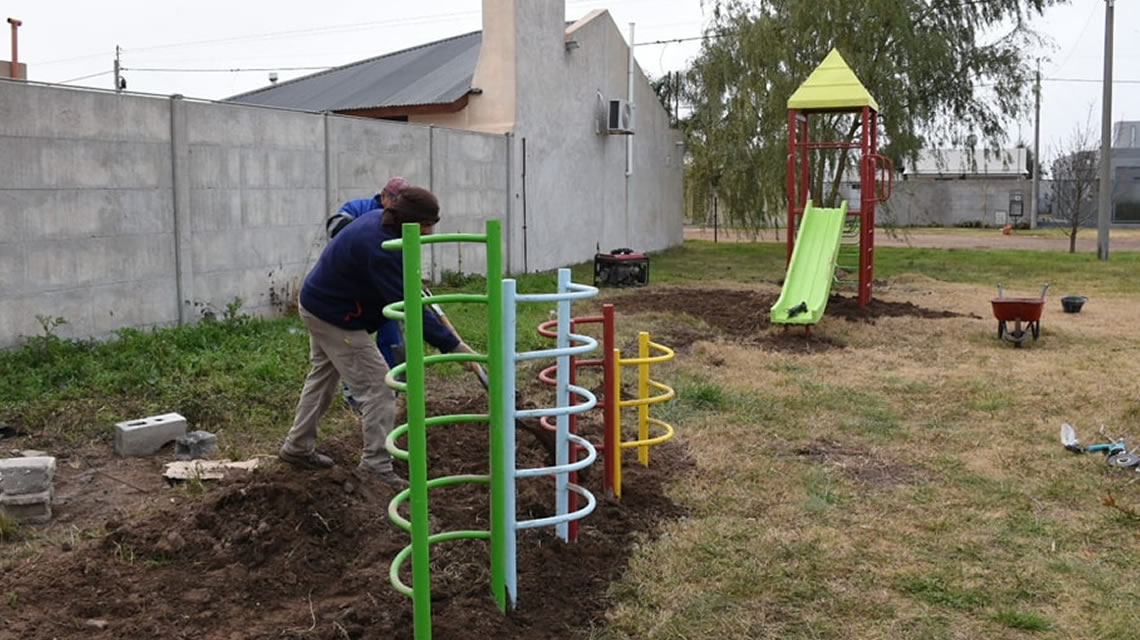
417,431
498,367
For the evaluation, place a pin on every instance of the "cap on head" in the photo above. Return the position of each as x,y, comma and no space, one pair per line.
395,187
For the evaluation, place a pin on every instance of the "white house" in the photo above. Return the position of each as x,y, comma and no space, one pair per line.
577,180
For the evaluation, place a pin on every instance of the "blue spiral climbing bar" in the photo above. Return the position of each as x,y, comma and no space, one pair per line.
562,468
410,310
642,402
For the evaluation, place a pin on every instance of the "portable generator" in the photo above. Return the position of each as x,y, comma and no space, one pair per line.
621,268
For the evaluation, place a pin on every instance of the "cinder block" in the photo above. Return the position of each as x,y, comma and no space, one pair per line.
195,445
146,436
32,507
20,476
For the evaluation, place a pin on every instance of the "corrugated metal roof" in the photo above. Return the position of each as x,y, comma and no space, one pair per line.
435,73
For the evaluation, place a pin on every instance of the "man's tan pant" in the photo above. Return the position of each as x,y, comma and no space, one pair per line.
352,355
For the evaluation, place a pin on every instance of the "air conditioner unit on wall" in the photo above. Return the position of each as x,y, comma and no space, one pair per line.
619,117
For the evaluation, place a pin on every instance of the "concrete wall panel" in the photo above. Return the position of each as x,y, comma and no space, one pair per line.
61,163
53,113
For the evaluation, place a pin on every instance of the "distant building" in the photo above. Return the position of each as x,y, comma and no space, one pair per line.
1125,170
953,187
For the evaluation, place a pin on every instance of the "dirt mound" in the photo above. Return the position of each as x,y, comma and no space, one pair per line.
742,316
284,553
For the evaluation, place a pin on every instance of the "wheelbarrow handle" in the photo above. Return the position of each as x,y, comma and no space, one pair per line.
1044,289
1001,292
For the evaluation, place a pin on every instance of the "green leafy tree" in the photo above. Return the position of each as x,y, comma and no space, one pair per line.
941,70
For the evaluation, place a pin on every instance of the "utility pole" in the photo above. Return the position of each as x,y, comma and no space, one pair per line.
118,85
1104,203
1035,195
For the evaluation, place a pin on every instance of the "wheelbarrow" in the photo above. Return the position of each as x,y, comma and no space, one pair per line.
1024,314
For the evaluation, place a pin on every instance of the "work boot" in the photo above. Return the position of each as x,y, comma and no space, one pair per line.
387,476
310,460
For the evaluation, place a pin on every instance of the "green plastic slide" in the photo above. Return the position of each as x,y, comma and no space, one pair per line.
807,284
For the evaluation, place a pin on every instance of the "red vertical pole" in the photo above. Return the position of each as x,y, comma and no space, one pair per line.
572,499
793,128
867,209
611,447
805,165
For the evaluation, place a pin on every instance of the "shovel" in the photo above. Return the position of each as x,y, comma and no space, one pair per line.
544,437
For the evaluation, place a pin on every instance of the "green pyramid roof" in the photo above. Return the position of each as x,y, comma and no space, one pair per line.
833,85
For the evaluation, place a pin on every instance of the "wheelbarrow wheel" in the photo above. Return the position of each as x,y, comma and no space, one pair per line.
1001,329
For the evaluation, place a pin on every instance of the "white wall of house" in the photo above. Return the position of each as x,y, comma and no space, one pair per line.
569,190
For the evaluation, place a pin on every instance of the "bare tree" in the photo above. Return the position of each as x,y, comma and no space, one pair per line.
1076,170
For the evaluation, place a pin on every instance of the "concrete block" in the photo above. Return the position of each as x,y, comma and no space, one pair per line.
21,476
146,436
195,445
32,507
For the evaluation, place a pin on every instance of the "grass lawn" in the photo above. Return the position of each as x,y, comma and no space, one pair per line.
910,485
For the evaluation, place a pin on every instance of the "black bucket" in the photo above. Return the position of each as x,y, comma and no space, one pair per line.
1073,304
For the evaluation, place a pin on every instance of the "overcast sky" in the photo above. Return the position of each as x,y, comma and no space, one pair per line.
67,39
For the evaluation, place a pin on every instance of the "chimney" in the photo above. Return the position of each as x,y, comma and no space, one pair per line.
522,40
14,64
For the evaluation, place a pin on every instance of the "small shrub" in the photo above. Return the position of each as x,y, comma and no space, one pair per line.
705,395
1020,620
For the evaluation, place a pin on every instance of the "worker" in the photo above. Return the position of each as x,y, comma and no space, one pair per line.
341,301
388,337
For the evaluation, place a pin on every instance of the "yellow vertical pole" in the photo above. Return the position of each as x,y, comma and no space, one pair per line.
643,395
615,394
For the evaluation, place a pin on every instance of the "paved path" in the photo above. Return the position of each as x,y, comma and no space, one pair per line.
1119,239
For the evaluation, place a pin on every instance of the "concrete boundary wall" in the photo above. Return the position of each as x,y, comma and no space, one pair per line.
120,210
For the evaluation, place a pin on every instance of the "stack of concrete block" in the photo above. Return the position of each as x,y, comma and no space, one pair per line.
144,437
26,487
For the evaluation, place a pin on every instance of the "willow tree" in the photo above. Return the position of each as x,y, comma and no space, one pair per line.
943,71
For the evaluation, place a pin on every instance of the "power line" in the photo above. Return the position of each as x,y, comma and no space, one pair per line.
1096,80
704,37
93,75
425,19
222,70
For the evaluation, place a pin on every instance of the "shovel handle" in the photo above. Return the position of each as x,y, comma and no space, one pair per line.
473,366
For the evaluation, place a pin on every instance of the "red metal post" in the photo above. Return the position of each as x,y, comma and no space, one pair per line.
793,128
610,445
867,209
572,504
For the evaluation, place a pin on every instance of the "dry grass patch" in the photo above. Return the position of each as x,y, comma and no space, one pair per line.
910,485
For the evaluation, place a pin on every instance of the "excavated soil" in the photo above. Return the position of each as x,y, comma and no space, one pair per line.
301,554
742,316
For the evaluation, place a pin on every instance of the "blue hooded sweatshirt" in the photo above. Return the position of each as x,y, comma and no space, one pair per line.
354,279
357,208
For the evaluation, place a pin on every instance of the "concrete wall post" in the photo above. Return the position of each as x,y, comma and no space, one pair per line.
183,240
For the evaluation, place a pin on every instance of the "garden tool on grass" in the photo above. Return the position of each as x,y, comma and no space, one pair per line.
1115,451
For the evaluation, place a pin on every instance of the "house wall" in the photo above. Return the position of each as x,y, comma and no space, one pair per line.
578,196
569,192
1125,171
129,211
